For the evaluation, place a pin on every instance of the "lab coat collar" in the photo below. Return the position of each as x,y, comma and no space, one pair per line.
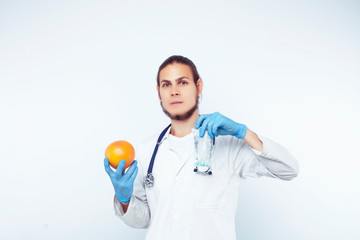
166,136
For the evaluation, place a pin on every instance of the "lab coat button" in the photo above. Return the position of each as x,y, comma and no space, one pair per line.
176,216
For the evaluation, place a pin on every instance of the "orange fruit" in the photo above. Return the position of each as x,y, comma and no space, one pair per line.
119,150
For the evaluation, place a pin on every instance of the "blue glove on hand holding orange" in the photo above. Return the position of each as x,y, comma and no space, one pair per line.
123,182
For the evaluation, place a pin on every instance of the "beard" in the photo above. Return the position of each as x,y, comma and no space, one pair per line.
183,116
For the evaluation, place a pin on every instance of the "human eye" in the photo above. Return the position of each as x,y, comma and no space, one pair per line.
183,82
164,85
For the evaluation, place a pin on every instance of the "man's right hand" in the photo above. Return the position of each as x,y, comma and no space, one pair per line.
123,183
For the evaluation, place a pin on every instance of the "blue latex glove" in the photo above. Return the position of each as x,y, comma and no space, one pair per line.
217,124
123,182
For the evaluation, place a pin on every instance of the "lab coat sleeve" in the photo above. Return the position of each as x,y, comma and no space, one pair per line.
138,212
274,161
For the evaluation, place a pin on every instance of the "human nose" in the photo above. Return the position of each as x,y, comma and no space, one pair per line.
174,91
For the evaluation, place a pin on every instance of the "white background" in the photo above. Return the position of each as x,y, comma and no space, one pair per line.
77,75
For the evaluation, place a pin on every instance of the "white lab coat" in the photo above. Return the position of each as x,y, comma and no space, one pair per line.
185,205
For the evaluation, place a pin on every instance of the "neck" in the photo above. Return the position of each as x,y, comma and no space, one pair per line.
181,128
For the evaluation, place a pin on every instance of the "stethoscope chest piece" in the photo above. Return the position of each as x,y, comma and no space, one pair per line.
149,180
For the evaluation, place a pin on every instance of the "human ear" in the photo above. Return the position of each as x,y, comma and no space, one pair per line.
199,85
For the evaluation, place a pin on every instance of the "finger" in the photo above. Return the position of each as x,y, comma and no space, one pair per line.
120,167
210,129
215,127
200,120
129,172
133,175
203,127
107,167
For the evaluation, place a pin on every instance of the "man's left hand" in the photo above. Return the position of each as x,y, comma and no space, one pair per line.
217,124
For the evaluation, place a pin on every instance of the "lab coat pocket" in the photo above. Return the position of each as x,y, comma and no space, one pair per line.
209,189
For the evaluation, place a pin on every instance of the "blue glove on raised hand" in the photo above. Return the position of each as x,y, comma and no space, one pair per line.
123,182
217,124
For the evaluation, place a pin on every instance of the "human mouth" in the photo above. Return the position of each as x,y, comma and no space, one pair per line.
176,103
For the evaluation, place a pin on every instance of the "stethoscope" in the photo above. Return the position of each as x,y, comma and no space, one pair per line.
149,178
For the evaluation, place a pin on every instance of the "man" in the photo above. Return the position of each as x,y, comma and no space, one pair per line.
183,204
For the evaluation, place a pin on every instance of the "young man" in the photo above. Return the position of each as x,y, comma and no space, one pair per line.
183,204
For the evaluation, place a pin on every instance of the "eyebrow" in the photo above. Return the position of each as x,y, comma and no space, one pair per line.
178,79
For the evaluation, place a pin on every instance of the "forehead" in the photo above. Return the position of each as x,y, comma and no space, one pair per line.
175,70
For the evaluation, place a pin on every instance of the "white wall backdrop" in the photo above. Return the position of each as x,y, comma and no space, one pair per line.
77,75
